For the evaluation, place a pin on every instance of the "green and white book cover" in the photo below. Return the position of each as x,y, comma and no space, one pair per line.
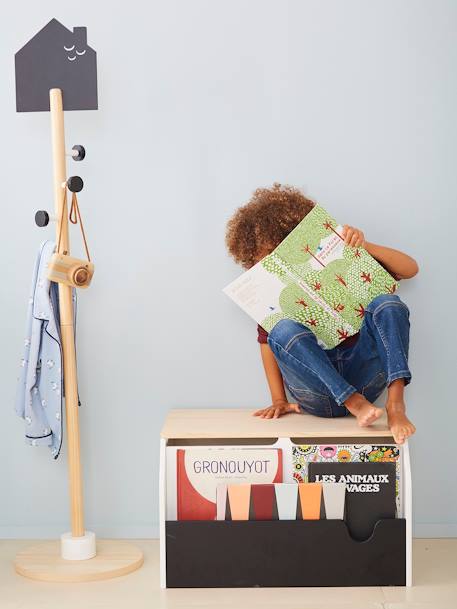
314,278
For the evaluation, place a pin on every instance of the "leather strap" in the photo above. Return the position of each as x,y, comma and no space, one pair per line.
74,217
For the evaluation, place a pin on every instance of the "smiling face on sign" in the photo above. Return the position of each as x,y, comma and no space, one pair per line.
73,52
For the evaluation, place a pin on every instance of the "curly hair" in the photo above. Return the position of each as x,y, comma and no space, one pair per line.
257,227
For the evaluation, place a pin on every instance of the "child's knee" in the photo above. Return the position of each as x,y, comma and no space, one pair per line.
387,301
285,332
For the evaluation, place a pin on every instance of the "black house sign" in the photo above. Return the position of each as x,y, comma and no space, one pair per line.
56,57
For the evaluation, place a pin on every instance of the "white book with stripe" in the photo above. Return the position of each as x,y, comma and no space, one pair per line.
334,499
286,500
221,501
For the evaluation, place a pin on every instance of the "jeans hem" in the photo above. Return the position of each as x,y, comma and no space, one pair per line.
402,374
344,396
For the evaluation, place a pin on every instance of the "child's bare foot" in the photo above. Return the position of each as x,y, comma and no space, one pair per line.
399,424
361,408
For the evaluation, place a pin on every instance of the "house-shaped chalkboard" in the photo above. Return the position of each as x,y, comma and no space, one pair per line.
56,57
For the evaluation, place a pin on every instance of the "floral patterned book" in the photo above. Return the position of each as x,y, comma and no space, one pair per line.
303,455
314,278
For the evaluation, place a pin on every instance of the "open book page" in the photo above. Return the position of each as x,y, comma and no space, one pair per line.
315,279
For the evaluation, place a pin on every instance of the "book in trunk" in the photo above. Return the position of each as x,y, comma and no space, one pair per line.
370,492
304,454
201,470
314,278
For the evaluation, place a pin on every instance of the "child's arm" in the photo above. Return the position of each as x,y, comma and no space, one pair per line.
280,405
399,264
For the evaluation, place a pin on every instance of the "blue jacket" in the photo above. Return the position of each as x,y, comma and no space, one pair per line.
40,383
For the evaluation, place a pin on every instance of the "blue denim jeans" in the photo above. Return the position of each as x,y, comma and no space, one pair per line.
320,380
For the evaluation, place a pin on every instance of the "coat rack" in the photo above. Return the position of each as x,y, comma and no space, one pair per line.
78,557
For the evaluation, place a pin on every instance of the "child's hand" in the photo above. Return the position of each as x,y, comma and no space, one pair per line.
353,237
277,409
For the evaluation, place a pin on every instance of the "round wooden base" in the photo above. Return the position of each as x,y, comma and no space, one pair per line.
44,562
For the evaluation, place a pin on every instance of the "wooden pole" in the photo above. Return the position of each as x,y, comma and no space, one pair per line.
76,558
66,321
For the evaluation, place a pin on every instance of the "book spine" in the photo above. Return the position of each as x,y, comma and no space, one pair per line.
263,499
239,499
221,501
334,499
286,500
310,500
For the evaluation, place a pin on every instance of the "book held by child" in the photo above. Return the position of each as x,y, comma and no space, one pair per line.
313,277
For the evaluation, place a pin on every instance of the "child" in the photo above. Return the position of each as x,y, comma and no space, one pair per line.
349,377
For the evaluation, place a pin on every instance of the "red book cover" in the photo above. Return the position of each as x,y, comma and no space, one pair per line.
263,501
200,470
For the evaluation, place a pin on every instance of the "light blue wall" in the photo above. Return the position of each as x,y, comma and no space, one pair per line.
200,102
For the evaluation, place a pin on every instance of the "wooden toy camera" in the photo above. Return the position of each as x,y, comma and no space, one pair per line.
70,271
63,268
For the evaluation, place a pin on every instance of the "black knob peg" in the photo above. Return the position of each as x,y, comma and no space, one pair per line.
41,218
75,184
81,152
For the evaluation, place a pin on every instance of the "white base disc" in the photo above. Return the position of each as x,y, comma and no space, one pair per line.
78,548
